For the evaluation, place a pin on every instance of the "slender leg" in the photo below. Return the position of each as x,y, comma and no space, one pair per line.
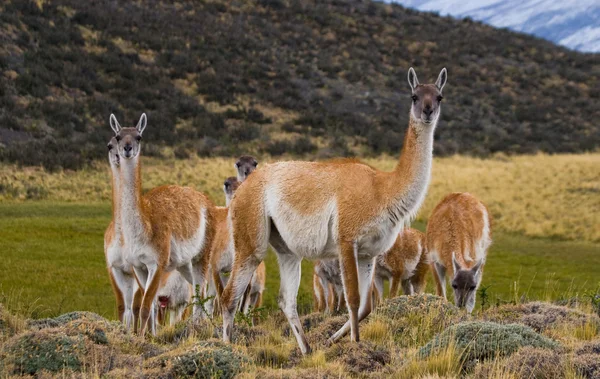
378,286
245,302
237,284
199,271
439,274
147,316
141,274
327,294
394,285
339,292
407,287
137,304
211,293
289,268
118,296
365,280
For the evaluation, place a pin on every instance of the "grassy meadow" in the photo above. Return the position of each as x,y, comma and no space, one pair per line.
546,233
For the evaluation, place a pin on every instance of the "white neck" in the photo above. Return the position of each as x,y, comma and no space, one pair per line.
413,172
116,198
132,216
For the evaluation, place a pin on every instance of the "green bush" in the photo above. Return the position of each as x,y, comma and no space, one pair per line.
208,359
480,340
42,350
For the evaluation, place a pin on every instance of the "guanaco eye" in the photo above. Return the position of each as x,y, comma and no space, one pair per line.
118,138
138,138
440,98
110,146
454,286
415,98
472,288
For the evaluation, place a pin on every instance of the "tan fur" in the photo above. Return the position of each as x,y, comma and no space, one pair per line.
364,208
456,225
152,223
399,263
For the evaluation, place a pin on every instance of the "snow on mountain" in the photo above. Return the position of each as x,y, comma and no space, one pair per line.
571,23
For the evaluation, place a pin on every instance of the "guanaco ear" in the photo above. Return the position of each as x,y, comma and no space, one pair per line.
441,80
114,124
477,268
412,79
141,124
455,264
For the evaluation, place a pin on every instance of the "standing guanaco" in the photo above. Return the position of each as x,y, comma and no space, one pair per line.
399,264
458,237
323,210
168,228
120,271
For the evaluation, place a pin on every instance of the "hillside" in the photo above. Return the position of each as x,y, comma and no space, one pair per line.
276,76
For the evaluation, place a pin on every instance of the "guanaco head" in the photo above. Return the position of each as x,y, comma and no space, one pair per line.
465,283
426,98
128,139
113,155
244,166
230,185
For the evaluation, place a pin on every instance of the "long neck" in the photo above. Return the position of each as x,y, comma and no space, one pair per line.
132,208
407,188
116,201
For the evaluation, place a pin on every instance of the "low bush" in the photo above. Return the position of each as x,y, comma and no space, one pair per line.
480,340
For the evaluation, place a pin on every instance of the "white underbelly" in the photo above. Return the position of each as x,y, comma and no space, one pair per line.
378,238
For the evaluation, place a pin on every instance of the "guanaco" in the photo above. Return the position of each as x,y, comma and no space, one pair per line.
399,264
120,271
458,237
244,166
174,297
327,285
221,260
321,210
168,228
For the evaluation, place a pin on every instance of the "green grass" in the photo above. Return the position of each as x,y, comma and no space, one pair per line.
52,253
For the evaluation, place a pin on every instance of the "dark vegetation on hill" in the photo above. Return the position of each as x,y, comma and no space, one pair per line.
336,68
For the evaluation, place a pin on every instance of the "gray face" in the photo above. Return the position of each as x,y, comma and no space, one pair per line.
245,165
128,139
113,155
230,185
465,284
426,98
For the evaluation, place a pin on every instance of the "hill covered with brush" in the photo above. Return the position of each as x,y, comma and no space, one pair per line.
277,76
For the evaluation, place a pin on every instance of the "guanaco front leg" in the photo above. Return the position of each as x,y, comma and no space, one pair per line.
439,274
238,282
147,311
365,272
394,285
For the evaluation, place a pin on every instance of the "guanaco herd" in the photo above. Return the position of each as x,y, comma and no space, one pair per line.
171,243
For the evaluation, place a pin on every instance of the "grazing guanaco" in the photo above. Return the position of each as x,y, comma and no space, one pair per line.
458,237
120,271
321,210
168,228
327,285
399,264
174,296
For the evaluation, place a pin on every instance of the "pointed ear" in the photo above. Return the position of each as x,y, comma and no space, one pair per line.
114,124
477,268
412,79
455,264
441,80
141,124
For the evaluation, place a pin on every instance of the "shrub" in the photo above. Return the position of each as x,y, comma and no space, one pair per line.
208,359
42,350
480,341
541,316
359,357
531,362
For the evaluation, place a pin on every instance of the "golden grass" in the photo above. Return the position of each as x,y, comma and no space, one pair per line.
444,363
539,196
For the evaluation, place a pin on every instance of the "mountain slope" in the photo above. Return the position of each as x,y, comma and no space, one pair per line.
222,78
571,23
